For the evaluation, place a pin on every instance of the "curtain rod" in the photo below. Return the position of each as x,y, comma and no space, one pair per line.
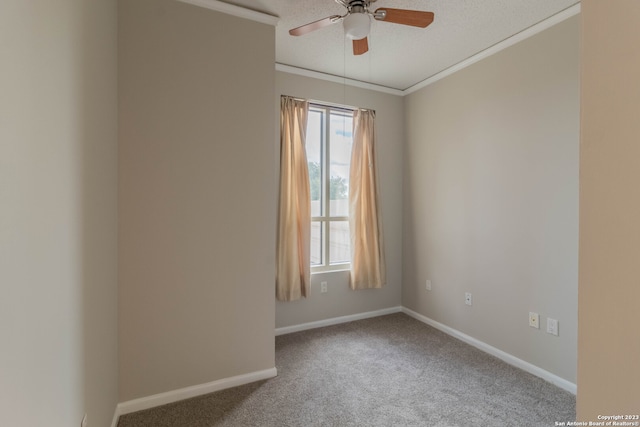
329,104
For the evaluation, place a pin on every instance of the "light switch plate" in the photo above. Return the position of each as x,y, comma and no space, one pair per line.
552,326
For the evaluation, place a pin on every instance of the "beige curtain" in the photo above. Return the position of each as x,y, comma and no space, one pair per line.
293,264
365,222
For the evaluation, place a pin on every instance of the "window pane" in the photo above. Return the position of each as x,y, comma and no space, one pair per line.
313,147
316,243
341,140
339,246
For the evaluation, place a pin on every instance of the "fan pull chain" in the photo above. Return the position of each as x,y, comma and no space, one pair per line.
344,67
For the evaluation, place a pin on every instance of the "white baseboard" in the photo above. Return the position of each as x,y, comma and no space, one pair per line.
506,357
197,390
337,320
193,391
116,416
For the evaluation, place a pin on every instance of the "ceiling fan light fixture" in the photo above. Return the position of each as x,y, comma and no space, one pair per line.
357,26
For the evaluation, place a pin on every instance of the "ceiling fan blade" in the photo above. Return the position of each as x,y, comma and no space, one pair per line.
316,25
360,46
414,18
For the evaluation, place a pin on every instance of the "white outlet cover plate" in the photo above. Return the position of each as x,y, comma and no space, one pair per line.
534,320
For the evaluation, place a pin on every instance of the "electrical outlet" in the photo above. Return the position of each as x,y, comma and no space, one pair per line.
552,326
467,298
428,285
84,421
534,320
323,287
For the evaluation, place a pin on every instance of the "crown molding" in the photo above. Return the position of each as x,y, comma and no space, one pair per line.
336,79
516,38
264,18
231,9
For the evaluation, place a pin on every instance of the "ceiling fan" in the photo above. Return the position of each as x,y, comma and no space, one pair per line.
357,21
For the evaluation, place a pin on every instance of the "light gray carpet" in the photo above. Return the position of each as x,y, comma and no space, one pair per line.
386,371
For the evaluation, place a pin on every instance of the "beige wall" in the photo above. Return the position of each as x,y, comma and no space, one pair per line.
340,300
58,221
197,197
491,198
609,337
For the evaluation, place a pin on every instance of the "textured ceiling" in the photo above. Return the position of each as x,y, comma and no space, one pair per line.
400,56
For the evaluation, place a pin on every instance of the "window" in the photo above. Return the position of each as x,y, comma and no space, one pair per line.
328,145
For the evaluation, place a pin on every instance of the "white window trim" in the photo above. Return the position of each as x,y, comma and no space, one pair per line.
326,218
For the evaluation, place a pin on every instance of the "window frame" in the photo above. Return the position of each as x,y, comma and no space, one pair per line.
325,219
